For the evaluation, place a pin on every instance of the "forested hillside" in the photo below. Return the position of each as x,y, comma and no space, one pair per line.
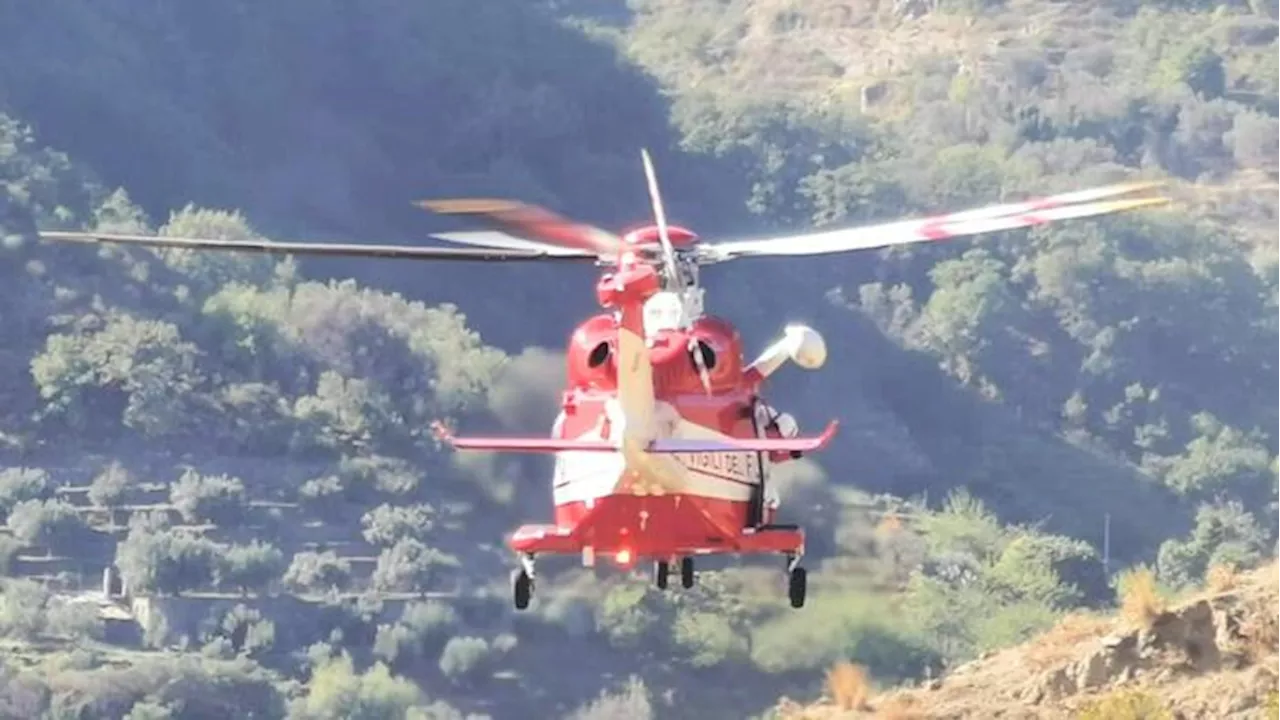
245,439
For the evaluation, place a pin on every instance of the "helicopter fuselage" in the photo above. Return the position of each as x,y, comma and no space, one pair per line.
709,502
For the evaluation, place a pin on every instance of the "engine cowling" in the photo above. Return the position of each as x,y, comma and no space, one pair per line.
718,346
592,365
591,355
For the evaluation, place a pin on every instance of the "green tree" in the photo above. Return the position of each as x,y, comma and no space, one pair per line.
52,524
317,572
19,484
336,691
464,657
254,567
1225,534
110,486
153,558
410,566
137,372
219,499
387,524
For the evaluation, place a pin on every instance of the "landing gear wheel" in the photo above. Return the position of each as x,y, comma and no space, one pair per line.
521,588
686,572
661,571
797,582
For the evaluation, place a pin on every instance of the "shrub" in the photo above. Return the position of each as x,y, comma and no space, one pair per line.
848,686
1140,600
1125,705
462,656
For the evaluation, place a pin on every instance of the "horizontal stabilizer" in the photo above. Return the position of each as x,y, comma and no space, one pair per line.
522,444
798,444
531,445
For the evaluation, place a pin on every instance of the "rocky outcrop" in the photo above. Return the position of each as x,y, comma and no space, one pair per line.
1213,656
1202,637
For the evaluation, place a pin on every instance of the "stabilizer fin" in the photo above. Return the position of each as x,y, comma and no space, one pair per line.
521,444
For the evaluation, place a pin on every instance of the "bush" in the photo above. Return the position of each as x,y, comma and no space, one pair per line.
317,572
253,567
409,566
164,560
422,627
53,524
631,704
19,484
337,690
463,656
217,498
848,686
1125,705
1140,597
110,485
74,621
22,609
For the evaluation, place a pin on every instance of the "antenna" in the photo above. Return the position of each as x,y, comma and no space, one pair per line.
1106,544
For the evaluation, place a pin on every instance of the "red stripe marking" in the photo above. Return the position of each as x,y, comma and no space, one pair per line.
934,230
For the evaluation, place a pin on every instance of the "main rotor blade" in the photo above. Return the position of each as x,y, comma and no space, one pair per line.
495,239
660,217
534,223
978,221
1075,197
411,252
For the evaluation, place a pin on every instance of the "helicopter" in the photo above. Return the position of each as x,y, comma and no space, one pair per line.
663,445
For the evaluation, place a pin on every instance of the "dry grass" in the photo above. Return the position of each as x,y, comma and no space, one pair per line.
848,686
1061,641
889,524
1262,628
899,707
1268,576
1221,578
1140,601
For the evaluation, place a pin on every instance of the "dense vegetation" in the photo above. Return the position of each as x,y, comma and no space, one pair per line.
245,438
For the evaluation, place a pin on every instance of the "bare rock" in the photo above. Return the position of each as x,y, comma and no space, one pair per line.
1115,660
1053,685
1191,632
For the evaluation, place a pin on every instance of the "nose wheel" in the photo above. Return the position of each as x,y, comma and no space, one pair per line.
662,573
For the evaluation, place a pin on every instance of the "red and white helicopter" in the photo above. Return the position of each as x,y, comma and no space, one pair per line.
664,444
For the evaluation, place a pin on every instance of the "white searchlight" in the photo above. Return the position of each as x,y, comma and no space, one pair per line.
800,344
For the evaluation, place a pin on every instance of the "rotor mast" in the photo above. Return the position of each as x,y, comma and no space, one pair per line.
680,302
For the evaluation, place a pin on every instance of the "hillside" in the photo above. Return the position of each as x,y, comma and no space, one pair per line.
241,443
1210,655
